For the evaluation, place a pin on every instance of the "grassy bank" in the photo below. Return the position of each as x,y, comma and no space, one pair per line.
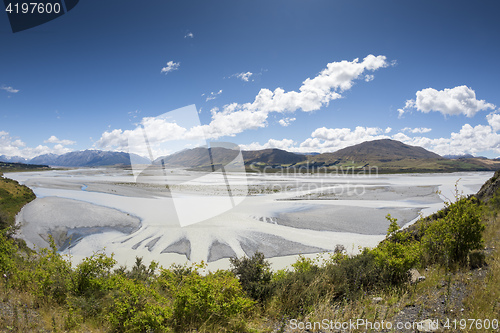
13,197
456,250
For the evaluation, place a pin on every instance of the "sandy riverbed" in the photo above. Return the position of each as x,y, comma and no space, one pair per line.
284,216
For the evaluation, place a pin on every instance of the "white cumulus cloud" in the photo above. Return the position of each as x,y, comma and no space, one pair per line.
286,121
10,146
469,140
158,131
212,95
9,89
235,118
285,144
416,130
313,94
54,139
454,101
331,139
494,121
369,78
171,66
243,76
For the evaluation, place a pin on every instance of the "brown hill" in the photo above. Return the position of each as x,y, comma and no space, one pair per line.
272,156
200,157
384,150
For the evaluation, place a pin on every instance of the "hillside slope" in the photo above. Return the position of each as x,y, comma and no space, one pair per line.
391,156
272,156
383,150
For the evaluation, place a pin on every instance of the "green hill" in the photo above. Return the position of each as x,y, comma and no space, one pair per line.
384,150
391,156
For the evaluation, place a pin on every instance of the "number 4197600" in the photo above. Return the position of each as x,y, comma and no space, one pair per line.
33,8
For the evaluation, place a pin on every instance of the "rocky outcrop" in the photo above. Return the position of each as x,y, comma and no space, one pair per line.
490,188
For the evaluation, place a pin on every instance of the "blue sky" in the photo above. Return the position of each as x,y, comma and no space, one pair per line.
86,79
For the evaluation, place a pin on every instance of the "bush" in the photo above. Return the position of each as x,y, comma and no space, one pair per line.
140,272
47,275
450,239
92,274
7,253
254,275
304,264
297,292
354,275
134,307
209,301
397,254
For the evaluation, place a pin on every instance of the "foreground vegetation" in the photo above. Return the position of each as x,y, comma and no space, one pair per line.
456,250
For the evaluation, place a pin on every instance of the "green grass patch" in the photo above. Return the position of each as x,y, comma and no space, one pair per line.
13,197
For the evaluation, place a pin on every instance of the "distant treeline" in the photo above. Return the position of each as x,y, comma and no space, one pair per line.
7,166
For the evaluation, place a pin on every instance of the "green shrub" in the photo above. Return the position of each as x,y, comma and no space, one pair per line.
304,264
254,275
47,275
86,307
8,251
397,254
169,280
214,300
92,274
450,239
133,307
494,202
141,272
295,293
354,275
279,275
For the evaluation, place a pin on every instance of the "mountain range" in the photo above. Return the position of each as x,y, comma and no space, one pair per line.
86,158
386,155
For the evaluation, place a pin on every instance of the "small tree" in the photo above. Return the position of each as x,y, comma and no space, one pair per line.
141,272
254,275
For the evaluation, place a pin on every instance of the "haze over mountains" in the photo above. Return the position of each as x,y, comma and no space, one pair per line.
390,155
